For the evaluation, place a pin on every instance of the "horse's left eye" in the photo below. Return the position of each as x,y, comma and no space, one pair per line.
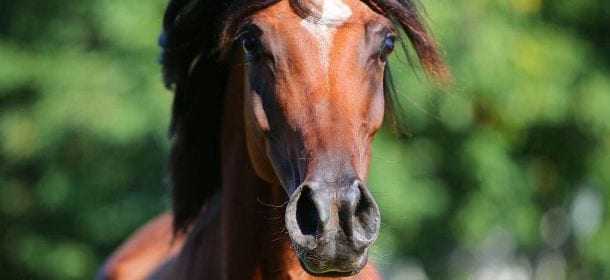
251,45
388,45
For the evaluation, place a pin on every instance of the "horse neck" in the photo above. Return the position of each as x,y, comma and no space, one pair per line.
255,241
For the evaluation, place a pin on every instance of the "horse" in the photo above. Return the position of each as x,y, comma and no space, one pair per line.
276,105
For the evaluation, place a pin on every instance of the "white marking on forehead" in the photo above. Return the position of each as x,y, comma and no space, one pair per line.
334,13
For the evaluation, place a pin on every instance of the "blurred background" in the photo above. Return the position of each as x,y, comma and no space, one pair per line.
507,176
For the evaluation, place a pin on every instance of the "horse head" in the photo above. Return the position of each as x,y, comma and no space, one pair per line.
314,101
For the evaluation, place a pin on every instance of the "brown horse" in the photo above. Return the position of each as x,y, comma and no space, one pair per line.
277,103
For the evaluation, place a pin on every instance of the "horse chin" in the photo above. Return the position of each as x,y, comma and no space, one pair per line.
321,267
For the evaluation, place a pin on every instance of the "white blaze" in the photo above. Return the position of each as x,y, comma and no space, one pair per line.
334,13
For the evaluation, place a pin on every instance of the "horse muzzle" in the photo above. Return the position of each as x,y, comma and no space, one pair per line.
332,226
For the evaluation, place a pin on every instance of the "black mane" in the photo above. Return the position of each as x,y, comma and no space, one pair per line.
198,78
196,35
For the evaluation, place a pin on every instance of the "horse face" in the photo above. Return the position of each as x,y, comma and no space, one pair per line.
314,102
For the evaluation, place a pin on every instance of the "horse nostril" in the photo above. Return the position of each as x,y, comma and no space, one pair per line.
364,204
366,216
307,214
319,216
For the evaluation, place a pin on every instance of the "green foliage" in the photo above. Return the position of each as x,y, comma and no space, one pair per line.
491,183
508,172
83,119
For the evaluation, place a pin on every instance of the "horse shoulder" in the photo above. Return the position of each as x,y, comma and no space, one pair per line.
144,251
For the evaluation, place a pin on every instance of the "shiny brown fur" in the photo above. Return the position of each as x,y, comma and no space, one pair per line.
319,120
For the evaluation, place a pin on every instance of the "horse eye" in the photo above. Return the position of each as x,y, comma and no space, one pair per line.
250,44
388,45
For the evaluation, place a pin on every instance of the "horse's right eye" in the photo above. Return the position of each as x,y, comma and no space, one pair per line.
251,45
388,46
